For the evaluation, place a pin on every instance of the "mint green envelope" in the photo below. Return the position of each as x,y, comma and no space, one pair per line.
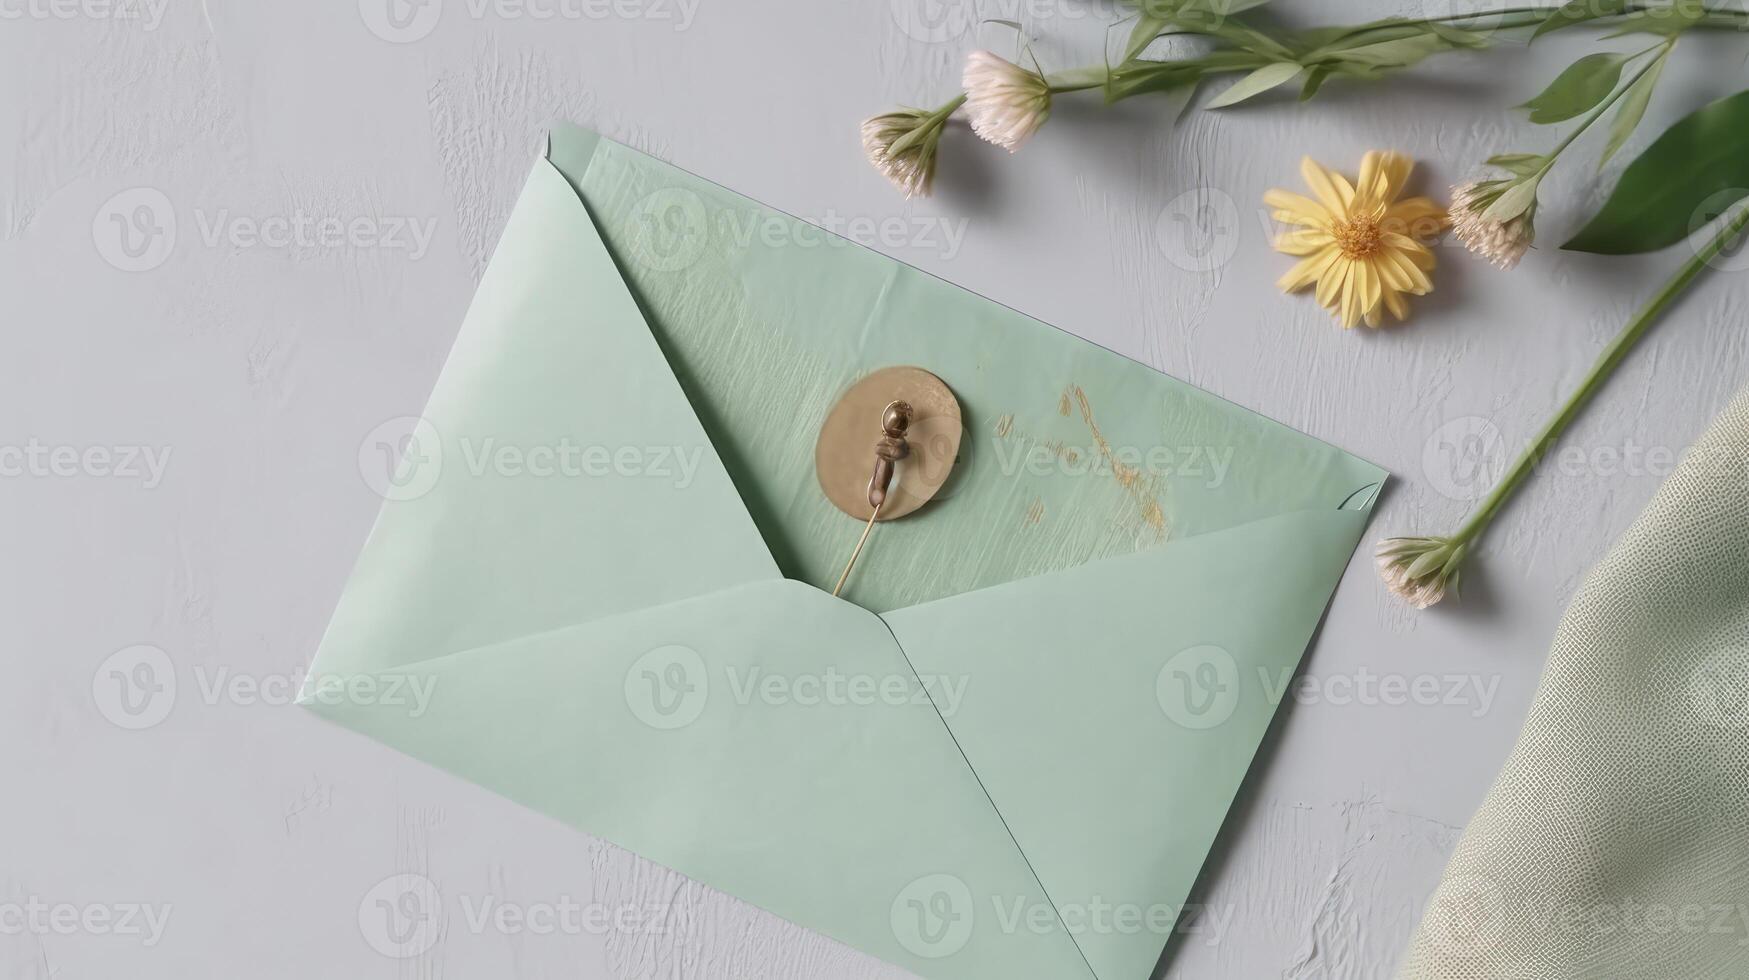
1006,755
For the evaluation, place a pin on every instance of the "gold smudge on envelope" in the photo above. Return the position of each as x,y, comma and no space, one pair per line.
1145,514
1127,475
1140,487
1155,517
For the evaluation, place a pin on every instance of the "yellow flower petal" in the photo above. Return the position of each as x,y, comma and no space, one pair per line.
1398,306
1416,217
1297,208
1417,252
1302,242
1330,284
1307,271
1370,288
1331,189
1351,298
1390,276
1382,175
1365,296
1417,280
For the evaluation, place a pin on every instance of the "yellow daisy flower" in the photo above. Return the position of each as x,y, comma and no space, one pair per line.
1362,247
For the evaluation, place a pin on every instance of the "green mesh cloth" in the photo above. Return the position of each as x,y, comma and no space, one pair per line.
1615,843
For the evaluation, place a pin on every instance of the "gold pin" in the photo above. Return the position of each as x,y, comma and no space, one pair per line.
892,447
919,423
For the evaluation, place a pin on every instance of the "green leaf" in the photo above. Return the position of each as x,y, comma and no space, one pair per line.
1148,27
1136,77
1324,40
1518,199
1485,188
1633,107
1314,81
1209,18
1256,83
1578,12
1457,37
1702,160
1580,88
1397,53
1522,164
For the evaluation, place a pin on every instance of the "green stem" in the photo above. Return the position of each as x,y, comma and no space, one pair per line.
1605,105
926,128
940,115
1510,18
1078,79
1103,75
1600,372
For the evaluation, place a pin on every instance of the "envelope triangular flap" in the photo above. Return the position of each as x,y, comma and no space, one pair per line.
1111,710
1070,453
570,478
710,735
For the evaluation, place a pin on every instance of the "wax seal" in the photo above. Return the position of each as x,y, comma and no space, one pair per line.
902,422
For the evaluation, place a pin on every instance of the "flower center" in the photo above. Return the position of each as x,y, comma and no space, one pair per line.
1358,236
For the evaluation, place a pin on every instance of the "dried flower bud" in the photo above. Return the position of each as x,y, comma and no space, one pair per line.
1501,242
1420,570
901,144
1006,102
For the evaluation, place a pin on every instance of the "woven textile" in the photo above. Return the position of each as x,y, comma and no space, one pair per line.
1615,843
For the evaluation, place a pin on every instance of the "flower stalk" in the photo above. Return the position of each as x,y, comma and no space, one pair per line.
1662,48
1496,218
1007,104
1421,570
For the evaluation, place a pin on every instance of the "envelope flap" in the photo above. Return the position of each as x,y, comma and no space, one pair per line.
558,474
1111,710
769,741
1069,453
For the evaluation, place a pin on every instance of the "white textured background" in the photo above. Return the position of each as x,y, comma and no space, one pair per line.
260,368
